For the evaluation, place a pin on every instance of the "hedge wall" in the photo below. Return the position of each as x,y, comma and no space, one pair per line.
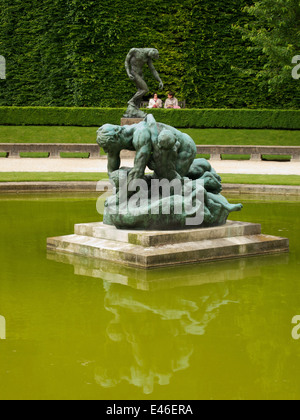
183,118
72,53
82,117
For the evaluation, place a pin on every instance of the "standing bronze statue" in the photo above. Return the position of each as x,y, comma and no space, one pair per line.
135,61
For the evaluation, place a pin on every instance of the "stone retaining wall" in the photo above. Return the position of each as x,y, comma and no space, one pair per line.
54,150
102,186
255,152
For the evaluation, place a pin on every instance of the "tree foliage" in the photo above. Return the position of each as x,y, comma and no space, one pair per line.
72,52
274,33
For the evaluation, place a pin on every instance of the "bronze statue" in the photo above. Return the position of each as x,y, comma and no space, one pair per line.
134,63
194,186
144,138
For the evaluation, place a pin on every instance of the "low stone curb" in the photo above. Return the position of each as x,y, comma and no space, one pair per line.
261,189
101,186
36,187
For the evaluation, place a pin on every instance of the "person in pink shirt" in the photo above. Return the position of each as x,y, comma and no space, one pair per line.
171,101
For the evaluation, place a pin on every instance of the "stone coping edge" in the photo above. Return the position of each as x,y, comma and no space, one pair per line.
90,186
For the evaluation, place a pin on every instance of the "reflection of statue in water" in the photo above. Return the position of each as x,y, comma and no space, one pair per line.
135,61
151,355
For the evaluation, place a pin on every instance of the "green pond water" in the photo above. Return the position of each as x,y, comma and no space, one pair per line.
81,329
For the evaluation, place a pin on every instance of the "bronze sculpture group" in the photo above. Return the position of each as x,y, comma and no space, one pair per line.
180,187
171,155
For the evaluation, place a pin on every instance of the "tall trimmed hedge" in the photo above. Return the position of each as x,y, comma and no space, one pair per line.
72,53
183,118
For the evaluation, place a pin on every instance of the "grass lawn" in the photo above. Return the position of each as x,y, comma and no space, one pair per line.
43,134
293,180
244,137
62,176
51,176
278,158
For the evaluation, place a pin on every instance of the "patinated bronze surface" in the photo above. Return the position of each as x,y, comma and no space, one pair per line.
140,200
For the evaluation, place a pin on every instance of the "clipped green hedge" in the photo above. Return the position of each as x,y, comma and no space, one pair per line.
82,117
230,118
183,118
72,53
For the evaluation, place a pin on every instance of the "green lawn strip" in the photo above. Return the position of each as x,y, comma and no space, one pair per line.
62,155
260,179
280,158
62,176
203,156
276,158
235,157
208,136
34,155
45,134
74,155
51,176
243,137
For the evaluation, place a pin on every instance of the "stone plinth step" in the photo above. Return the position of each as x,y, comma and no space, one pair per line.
130,121
136,249
167,237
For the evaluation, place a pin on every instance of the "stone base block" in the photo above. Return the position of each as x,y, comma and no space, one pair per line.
150,249
127,154
130,121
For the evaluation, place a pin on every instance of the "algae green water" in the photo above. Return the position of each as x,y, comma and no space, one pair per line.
79,329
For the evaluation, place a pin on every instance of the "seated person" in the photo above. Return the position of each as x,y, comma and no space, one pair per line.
155,102
171,101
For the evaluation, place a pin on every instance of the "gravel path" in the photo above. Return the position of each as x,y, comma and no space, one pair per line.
95,165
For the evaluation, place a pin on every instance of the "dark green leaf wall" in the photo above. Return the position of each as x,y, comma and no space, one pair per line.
72,53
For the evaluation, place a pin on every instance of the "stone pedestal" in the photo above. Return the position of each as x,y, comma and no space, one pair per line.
130,121
255,156
127,154
151,249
